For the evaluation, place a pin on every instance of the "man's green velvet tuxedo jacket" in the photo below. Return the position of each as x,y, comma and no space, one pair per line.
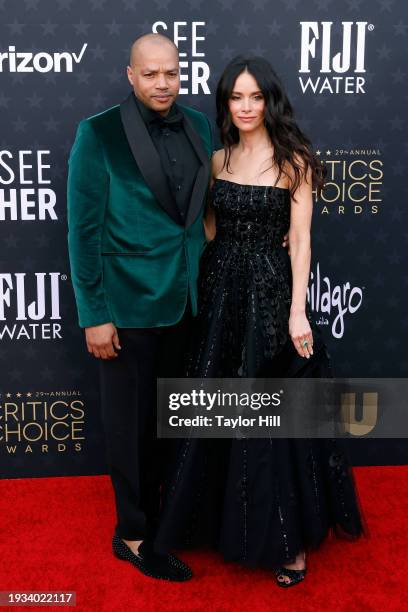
134,261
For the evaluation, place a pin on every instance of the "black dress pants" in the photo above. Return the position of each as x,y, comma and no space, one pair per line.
136,457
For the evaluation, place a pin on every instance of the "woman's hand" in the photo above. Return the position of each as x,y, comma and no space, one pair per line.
285,242
299,331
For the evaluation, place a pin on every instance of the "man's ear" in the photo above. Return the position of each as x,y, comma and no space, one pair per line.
129,72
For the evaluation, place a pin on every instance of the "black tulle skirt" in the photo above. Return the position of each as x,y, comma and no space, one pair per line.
261,501
257,501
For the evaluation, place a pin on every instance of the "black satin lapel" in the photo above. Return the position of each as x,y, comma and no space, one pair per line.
203,174
147,158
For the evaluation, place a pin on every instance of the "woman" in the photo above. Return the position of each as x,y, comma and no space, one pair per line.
263,502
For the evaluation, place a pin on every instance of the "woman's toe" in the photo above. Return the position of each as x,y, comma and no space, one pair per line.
284,578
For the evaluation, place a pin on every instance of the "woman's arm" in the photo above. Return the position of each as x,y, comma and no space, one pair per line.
209,215
300,257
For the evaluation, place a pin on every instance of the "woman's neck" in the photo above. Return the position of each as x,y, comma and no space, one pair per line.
256,140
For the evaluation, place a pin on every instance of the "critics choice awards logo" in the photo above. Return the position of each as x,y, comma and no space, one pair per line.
354,181
37,422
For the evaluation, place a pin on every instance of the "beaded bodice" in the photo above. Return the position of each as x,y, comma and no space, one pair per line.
252,216
246,277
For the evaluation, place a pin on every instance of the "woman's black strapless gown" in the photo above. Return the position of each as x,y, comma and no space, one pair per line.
257,501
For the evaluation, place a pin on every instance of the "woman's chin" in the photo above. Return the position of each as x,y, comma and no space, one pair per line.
247,127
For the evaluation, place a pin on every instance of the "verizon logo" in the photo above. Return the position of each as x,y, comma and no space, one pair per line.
21,61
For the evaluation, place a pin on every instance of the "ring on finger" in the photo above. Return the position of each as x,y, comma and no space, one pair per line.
304,347
307,345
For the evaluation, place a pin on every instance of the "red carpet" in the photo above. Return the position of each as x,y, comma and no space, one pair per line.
56,536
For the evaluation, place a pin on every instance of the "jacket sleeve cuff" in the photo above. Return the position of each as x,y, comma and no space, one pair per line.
99,317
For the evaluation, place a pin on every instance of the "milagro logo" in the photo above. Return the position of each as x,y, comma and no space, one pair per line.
30,305
317,55
24,61
334,300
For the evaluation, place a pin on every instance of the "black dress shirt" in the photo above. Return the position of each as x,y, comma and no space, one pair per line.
177,155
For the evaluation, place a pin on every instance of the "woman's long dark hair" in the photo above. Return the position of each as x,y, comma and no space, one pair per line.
289,142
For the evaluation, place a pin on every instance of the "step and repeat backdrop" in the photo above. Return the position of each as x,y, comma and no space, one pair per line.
344,66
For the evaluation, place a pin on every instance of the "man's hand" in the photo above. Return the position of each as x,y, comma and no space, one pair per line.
102,340
285,242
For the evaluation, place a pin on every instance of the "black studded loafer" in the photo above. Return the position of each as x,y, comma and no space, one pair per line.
151,563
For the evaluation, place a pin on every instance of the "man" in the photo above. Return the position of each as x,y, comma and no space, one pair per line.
137,186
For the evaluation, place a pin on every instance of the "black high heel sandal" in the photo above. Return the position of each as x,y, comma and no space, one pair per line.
295,575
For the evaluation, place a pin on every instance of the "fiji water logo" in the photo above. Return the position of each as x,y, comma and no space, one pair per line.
344,65
30,305
24,61
336,301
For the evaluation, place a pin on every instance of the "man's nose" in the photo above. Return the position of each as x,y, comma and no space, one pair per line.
161,81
